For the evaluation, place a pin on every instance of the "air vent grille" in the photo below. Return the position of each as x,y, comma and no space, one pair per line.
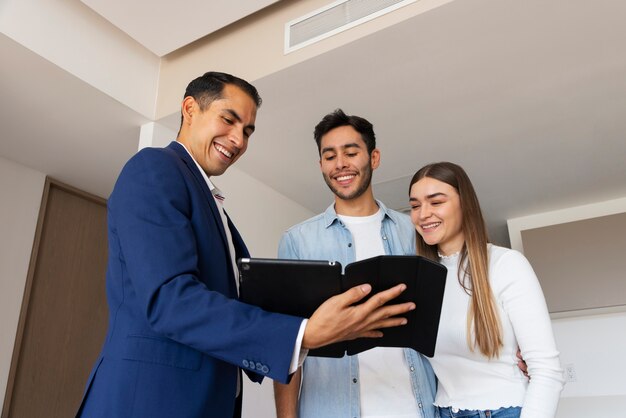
334,18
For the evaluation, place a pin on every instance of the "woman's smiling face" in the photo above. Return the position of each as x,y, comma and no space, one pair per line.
436,214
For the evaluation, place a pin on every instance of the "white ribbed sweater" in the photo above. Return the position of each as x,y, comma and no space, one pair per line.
468,380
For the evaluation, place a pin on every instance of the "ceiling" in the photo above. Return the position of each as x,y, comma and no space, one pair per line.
59,125
529,97
163,26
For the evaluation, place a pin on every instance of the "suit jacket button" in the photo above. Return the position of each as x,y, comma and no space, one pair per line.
246,363
265,369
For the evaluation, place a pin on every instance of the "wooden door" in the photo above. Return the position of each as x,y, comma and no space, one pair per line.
64,315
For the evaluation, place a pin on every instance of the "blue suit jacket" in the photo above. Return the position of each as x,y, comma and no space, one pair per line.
177,334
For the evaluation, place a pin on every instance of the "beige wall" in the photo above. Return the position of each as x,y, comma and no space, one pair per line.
260,213
580,264
576,253
21,189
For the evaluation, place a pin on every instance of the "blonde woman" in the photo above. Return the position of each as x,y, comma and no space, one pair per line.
493,303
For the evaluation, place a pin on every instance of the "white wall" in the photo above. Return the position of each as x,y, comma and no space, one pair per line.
20,197
593,346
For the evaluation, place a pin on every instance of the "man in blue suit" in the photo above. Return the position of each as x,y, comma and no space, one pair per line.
177,334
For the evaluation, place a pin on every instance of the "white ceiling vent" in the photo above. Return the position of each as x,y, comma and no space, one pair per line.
334,18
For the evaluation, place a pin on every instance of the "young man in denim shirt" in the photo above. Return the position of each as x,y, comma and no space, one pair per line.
382,382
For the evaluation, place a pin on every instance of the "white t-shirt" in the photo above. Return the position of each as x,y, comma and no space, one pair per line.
385,383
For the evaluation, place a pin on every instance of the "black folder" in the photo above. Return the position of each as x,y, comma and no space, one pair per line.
299,287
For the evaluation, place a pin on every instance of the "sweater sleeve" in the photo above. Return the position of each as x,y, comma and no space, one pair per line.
523,300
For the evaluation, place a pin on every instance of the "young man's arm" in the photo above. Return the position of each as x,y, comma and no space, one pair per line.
286,396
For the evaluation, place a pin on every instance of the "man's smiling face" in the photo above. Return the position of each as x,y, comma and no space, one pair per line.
218,136
346,165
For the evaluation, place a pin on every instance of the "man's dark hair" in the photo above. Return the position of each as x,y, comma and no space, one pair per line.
209,87
339,118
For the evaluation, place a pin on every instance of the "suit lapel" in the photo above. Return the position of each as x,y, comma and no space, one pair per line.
191,165
240,246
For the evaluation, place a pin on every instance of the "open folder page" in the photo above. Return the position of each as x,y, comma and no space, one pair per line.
298,287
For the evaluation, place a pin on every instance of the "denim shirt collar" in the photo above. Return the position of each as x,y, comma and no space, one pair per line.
330,215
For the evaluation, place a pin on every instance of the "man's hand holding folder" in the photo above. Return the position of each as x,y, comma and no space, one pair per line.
340,318
339,305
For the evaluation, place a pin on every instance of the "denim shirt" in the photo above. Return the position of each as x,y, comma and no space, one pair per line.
330,386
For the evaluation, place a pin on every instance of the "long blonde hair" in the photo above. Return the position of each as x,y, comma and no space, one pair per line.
473,261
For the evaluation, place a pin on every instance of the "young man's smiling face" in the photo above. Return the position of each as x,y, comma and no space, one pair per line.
218,136
346,165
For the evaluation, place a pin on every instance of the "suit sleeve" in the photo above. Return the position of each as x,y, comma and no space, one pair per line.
150,212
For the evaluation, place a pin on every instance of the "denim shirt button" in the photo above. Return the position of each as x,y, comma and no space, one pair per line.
412,369
354,380
385,238
349,244
419,405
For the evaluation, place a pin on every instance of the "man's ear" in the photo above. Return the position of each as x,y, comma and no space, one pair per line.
189,108
375,158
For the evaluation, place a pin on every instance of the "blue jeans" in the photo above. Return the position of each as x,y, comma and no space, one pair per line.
512,412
